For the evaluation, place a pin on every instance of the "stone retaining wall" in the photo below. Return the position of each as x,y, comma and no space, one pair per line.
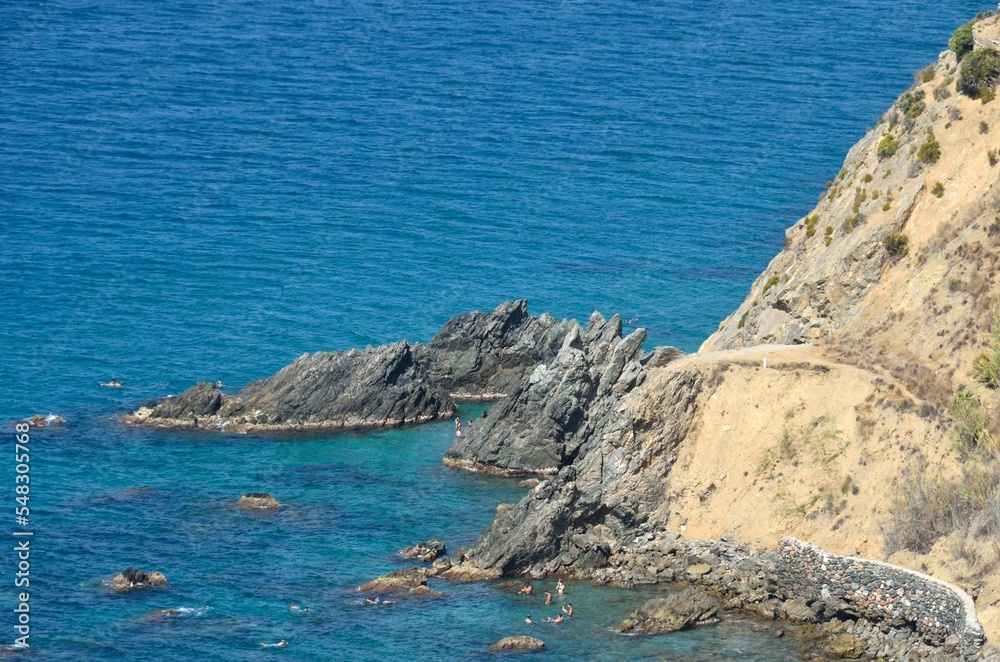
881,592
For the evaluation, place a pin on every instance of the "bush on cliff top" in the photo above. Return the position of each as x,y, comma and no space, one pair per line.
980,72
961,42
930,151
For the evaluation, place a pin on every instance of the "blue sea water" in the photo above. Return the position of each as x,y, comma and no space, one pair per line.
207,190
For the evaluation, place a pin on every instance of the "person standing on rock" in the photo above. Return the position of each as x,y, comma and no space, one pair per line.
458,428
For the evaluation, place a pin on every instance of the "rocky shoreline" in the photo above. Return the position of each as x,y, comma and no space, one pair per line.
579,418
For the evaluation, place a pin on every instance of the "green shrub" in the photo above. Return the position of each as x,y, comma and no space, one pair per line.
926,74
987,364
984,128
912,103
897,244
938,189
828,234
930,151
970,421
979,73
875,194
993,156
771,282
961,41
811,222
888,146
868,178
987,94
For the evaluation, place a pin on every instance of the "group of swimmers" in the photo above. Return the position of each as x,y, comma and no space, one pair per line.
560,590
284,642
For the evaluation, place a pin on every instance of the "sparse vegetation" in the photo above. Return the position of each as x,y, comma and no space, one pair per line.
771,282
938,190
984,128
811,222
888,146
867,178
987,364
941,92
926,74
912,103
979,73
925,509
969,419
897,244
961,42
993,157
743,319
930,151
828,233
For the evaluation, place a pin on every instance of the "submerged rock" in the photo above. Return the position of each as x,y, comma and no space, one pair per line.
258,501
680,611
519,643
41,420
131,579
406,578
426,551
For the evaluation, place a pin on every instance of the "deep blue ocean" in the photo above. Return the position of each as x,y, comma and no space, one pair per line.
207,190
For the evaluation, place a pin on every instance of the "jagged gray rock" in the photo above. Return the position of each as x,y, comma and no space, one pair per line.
543,423
475,356
483,356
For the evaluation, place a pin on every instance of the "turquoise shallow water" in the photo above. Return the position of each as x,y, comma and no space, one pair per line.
206,191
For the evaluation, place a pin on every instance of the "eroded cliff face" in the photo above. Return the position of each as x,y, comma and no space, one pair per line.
845,278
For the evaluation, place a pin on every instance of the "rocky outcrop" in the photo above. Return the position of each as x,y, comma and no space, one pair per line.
373,387
519,643
427,551
680,611
485,356
406,578
475,356
541,426
258,501
131,579
603,490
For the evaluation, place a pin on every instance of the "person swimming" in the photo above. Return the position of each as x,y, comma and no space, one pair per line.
112,383
295,607
568,608
280,644
526,589
555,621
369,601
528,620
548,598
560,587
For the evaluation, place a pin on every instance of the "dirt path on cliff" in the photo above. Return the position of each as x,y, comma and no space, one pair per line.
775,355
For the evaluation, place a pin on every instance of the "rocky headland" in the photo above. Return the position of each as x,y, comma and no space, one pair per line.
850,401
475,356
